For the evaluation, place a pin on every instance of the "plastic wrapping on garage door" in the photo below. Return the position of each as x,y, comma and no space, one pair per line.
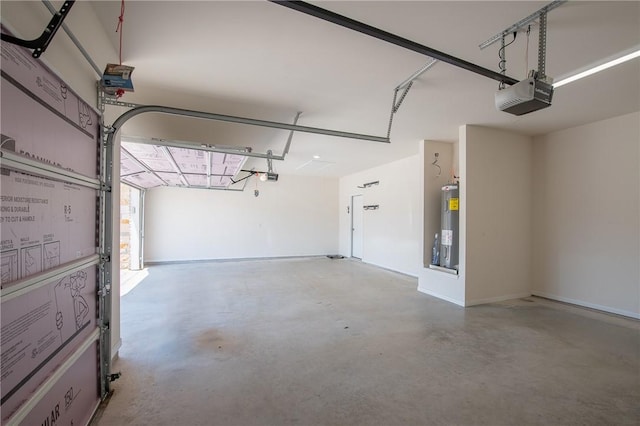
50,263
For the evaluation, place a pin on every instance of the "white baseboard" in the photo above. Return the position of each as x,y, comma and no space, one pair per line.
496,299
440,296
609,309
114,350
408,274
152,262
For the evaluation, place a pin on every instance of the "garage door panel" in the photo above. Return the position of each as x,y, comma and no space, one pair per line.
40,329
171,178
51,335
66,402
30,126
44,223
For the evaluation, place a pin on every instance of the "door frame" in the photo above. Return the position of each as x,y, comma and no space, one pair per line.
351,225
136,229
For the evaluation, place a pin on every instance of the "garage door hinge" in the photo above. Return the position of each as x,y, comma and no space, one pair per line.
105,187
114,376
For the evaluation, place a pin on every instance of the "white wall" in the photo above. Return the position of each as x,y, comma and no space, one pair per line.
586,225
295,216
392,235
494,167
496,200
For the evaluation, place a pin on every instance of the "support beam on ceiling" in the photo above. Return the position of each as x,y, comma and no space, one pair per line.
363,28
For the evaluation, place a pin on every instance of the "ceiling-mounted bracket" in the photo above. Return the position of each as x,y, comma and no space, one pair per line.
521,24
251,173
536,91
416,75
405,86
369,184
503,58
541,16
40,44
263,176
270,161
270,175
542,46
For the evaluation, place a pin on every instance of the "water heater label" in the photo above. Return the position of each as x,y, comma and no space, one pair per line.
453,204
447,237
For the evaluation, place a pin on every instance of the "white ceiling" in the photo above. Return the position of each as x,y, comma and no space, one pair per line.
260,60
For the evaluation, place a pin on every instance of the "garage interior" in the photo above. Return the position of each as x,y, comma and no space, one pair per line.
285,163
321,341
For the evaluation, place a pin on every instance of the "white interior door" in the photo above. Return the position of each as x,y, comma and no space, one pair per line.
356,226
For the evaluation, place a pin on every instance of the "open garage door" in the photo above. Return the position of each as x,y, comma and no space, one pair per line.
54,255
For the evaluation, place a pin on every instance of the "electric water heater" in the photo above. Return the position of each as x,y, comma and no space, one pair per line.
449,223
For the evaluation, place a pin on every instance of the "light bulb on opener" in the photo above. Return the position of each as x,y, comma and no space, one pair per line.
263,177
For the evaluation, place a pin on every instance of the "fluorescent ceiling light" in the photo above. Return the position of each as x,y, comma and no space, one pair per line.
597,68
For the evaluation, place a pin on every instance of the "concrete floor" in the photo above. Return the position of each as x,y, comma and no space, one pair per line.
316,341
